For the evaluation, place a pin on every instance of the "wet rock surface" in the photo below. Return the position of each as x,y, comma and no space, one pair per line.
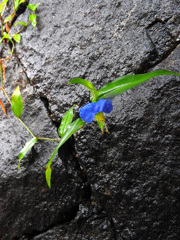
26,203
123,185
91,222
133,171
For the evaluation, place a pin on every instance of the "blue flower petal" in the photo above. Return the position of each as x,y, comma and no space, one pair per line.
87,112
108,107
99,105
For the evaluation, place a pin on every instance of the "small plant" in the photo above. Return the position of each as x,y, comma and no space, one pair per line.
100,99
6,23
10,40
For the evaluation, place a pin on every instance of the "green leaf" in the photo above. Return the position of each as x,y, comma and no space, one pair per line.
17,103
33,7
2,4
8,18
124,83
21,1
26,148
48,176
67,119
5,36
88,85
32,18
18,3
72,128
20,23
17,37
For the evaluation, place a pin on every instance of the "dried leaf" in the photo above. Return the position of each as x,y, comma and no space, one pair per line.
7,28
3,108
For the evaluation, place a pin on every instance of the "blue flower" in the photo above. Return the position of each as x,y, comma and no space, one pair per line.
88,112
105,105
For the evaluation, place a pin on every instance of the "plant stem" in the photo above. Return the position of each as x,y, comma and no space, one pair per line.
23,27
48,139
5,93
1,73
17,118
14,7
4,7
12,51
2,32
26,127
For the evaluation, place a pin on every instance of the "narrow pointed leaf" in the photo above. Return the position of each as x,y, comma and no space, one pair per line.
5,36
72,128
17,103
33,7
48,176
32,18
20,23
3,108
87,84
67,119
124,83
17,38
8,18
26,148
2,4
16,4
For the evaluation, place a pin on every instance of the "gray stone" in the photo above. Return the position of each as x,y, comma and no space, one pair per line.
122,185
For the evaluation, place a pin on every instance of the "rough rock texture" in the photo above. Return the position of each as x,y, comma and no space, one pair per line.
118,186
26,204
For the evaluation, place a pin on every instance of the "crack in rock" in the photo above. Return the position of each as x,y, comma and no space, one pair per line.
162,40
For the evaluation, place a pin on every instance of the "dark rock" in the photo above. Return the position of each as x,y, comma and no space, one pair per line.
90,223
27,205
133,171
95,40
131,175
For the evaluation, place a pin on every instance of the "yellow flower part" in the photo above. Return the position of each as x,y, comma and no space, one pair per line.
101,121
100,117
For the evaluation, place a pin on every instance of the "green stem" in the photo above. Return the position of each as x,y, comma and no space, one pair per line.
26,127
48,139
14,7
4,7
12,50
1,73
5,93
23,27
2,32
